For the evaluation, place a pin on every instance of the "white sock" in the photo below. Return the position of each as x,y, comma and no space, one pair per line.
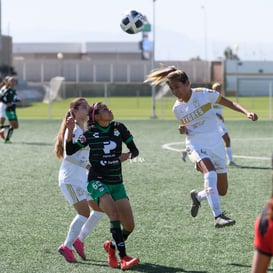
229,153
201,195
74,230
90,224
210,181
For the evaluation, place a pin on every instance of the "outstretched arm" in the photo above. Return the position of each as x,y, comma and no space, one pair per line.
237,107
130,155
70,147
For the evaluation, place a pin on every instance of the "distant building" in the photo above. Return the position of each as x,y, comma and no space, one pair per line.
93,62
77,51
6,50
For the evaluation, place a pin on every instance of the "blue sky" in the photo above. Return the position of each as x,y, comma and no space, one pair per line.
183,29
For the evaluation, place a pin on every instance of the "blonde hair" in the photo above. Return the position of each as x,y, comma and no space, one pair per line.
165,75
216,86
59,148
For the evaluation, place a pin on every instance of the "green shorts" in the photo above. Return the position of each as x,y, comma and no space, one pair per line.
96,189
11,115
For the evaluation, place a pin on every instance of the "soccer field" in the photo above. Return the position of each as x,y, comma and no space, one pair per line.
35,216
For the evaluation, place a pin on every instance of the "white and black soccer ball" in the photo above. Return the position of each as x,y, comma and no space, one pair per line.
132,22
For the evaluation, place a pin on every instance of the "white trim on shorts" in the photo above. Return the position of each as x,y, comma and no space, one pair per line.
74,194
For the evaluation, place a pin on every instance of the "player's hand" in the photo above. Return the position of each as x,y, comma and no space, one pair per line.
182,130
124,156
70,123
252,116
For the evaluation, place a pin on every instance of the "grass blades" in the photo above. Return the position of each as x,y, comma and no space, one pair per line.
35,216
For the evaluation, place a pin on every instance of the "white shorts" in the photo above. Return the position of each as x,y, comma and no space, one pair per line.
3,107
217,156
74,194
222,127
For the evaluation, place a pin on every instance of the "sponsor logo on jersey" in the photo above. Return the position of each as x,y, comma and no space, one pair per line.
196,113
108,146
82,139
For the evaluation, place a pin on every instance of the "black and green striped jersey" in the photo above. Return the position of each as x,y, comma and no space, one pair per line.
9,96
105,145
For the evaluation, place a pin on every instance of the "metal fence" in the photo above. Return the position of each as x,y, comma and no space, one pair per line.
42,71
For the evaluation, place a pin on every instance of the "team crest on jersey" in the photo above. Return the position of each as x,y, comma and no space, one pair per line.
82,139
116,132
196,103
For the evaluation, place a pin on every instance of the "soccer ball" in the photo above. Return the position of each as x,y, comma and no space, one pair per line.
132,22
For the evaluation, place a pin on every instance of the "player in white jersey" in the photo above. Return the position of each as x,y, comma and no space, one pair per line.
3,107
73,183
222,128
194,109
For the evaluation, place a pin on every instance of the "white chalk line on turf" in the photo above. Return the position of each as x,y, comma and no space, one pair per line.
168,146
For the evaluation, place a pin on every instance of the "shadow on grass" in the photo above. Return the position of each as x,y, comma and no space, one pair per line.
34,143
142,267
254,167
247,266
155,268
146,267
251,167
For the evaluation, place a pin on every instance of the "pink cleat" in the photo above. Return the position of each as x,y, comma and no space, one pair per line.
128,262
79,246
67,253
112,259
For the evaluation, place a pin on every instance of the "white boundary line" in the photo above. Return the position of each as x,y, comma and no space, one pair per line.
169,146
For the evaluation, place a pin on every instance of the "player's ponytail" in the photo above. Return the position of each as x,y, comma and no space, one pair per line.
159,75
59,148
165,75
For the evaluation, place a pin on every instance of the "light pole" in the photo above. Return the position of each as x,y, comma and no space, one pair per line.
153,116
205,33
60,57
236,48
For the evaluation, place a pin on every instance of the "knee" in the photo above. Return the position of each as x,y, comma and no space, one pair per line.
129,225
85,213
113,215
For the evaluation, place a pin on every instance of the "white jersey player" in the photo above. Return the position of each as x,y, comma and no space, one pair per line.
73,183
194,109
3,107
71,174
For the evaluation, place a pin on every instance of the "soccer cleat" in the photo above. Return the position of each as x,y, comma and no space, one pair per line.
223,221
112,259
67,253
184,155
7,142
128,262
2,134
79,246
232,164
195,203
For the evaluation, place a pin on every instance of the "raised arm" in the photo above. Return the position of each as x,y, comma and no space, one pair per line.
237,107
70,147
